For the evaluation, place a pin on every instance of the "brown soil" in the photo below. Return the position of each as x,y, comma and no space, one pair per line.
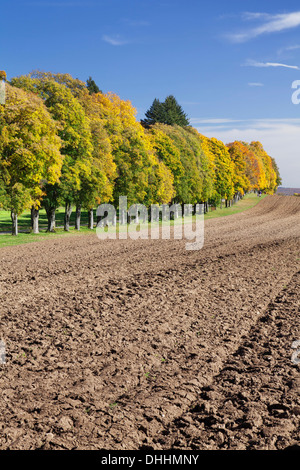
142,344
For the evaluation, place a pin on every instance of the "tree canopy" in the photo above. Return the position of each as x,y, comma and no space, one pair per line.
30,150
92,86
168,112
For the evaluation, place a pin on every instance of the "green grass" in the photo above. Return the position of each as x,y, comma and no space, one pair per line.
24,220
25,235
249,201
9,240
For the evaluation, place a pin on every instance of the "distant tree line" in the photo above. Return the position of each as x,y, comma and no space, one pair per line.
65,143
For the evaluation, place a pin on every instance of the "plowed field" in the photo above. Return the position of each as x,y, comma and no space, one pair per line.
142,344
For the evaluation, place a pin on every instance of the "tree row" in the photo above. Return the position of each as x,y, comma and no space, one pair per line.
65,143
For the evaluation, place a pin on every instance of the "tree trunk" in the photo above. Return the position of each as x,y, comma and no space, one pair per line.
35,220
182,210
91,219
51,219
145,216
165,212
14,219
137,219
122,216
77,217
68,212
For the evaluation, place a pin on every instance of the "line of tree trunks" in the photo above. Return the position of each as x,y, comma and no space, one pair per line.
50,211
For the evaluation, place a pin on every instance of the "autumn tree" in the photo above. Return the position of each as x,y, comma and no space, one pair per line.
98,187
205,162
75,133
29,151
168,153
224,172
187,179
131,148
268,181
278,181
238,153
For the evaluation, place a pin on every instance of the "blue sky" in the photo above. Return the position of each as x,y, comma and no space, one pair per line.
230,64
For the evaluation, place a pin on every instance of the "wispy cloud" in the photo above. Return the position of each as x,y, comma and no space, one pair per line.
282,50
248,15
271,24
134,23
213,121
254,63
115,40
63,4
255,84
245,123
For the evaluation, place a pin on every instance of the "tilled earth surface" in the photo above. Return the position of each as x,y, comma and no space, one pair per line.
144,345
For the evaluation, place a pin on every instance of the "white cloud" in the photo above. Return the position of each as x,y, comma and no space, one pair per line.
213,121
255,84
272,24
62,4
247,15
115,40
288,49
226,123
254,63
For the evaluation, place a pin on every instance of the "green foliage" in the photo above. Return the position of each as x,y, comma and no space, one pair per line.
167,153
92,87
277,172
189,190
184,152
154,114
169,112
3,194
173,113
